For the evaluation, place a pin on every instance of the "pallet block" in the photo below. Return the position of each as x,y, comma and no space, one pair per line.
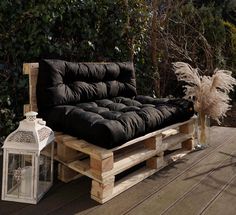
78,157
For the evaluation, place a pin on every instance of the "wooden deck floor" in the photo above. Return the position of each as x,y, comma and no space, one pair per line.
203,182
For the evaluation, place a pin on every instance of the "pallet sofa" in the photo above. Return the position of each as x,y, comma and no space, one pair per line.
103,128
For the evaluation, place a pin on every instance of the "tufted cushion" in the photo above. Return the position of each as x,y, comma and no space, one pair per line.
98,102
109,123
61,82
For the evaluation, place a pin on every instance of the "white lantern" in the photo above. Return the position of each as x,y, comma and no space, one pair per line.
28,161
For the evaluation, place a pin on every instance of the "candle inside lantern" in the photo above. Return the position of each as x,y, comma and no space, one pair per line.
26,178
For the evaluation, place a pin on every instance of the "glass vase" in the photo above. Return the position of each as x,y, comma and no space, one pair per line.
202,131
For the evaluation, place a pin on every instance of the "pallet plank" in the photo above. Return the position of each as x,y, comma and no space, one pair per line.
127,182
85,147
174,140
152,134
169,132
131,159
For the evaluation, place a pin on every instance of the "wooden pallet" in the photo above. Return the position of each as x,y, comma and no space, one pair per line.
105,167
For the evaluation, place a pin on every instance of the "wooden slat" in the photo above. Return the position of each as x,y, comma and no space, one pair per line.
127,182
87,148
121,164
80,166
174,140
131,159
136,177
169,132
152,134
175,147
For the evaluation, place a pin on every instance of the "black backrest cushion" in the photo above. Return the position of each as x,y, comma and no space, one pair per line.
61,82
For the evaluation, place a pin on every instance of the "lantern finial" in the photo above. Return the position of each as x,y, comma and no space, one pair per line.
31,116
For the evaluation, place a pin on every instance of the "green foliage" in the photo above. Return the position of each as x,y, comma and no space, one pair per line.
230,11
104,30
76,30
230,50
71,29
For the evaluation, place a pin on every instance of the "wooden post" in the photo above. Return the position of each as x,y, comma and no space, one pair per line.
31,69
100,166
65,153
154,142
102,190
156,162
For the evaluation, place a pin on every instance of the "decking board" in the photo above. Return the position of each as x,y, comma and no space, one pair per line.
223,203
197,198
184,184
74,197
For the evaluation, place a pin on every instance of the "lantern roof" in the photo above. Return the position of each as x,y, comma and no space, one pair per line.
32,134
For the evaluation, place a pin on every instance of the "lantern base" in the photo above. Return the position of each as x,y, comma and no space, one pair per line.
43,186
30,201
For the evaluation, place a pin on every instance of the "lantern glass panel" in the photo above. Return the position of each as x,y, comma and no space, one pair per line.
45,169
20,174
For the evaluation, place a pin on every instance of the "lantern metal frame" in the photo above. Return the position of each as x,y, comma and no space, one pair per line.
32,138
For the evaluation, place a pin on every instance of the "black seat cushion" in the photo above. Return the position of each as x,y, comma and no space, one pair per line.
109,123
98,102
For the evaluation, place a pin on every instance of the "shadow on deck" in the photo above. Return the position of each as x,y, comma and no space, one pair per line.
203,182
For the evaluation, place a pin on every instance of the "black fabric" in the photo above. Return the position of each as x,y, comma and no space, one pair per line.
61,82
108,118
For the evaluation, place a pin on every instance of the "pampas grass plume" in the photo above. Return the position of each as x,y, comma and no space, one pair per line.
210,94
